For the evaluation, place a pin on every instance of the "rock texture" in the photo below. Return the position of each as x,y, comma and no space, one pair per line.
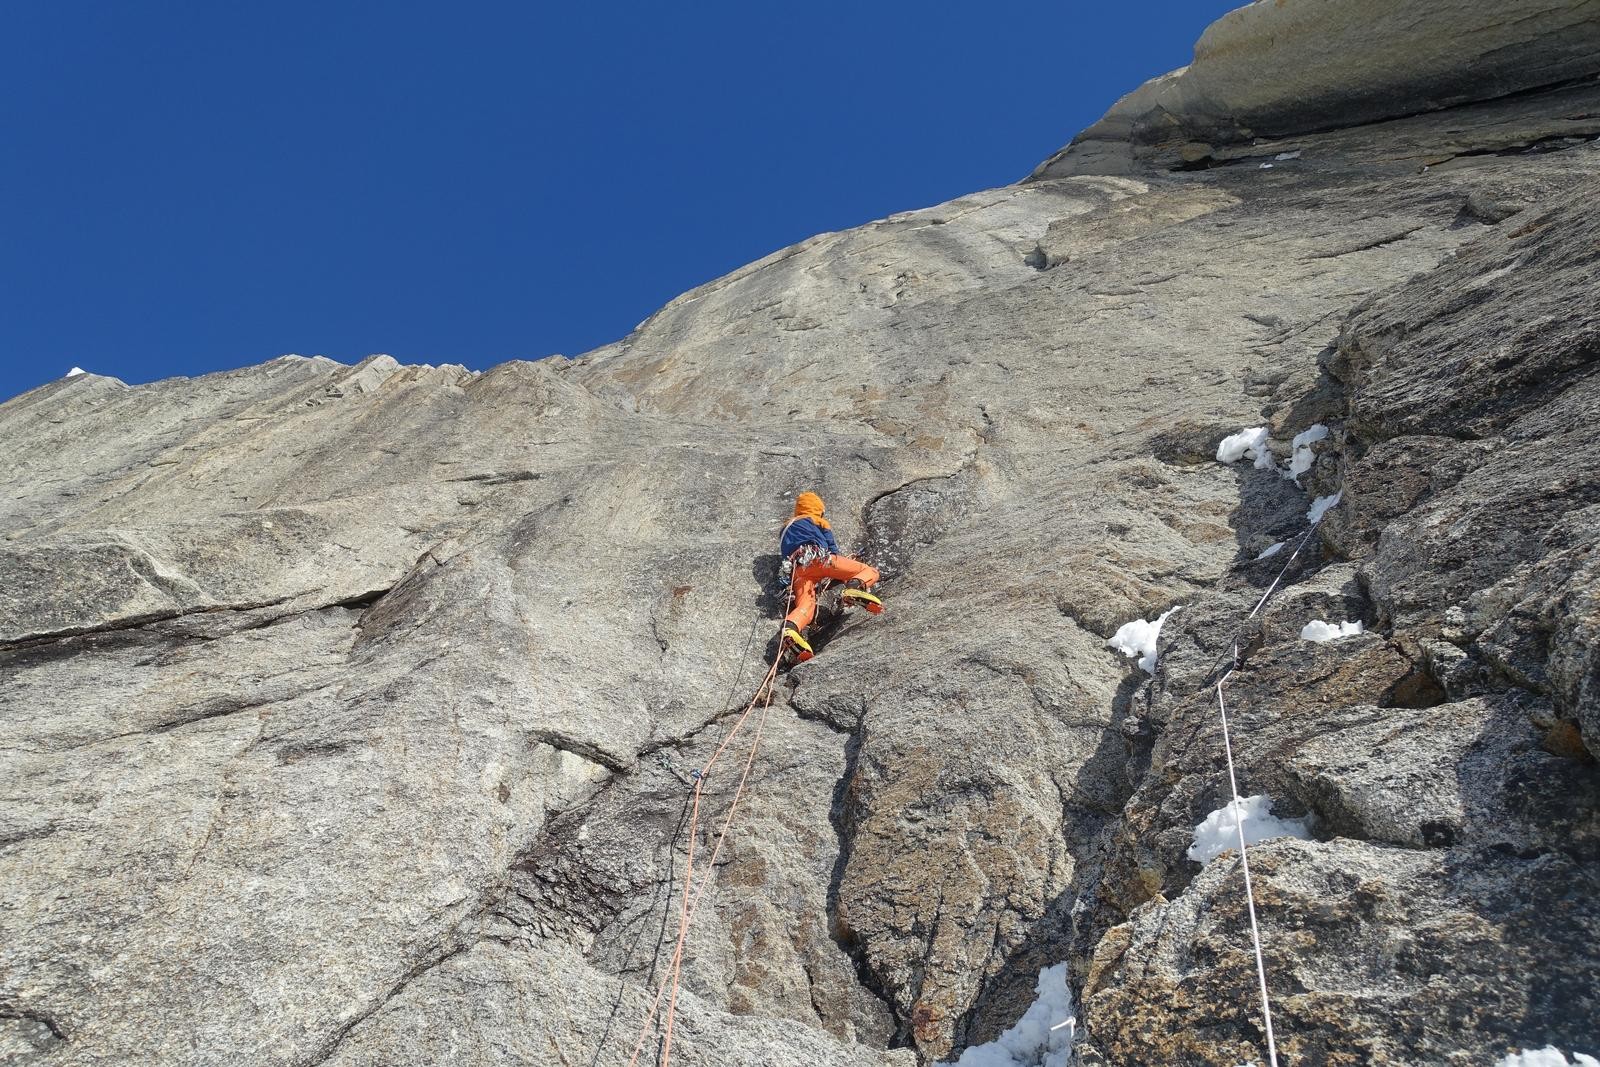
1278,68
348,715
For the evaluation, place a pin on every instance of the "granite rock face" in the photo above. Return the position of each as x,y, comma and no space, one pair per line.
1280,68
350,715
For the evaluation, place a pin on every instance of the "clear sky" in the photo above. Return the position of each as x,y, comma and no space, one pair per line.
194,186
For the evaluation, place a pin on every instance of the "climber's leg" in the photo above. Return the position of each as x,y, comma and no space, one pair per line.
804,609
796,649
860,577
845,569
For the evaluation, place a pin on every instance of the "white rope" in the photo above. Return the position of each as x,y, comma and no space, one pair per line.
1238,811
1244,865
1274,586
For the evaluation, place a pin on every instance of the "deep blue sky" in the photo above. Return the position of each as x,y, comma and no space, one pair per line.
193,186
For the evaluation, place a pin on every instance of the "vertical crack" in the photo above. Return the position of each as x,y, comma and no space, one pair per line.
842,817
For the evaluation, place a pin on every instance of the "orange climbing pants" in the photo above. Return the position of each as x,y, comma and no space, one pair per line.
804,584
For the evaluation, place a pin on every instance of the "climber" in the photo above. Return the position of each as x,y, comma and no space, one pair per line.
810,556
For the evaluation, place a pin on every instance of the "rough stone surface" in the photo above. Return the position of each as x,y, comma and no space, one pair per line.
1370,949
348,715
1277,68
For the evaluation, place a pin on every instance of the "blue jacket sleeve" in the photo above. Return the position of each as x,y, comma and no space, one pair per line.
833,546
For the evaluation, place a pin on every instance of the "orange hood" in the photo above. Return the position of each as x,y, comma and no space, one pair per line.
809,505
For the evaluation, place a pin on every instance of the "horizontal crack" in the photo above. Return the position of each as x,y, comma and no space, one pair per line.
582,749
499,477
1377,242
214,709
133,622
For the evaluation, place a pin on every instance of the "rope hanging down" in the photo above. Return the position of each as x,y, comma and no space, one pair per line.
1233,791
672,845
692,892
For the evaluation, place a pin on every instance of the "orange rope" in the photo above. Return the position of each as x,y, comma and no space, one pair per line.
711,869
691,901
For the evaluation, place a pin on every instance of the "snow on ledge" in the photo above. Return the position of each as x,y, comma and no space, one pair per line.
1220,831
1549,1056
74,372
1302,455
1322,505
1138,638
1319,631
1039,1038
1252,441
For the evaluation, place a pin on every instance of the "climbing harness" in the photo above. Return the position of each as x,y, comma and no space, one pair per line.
804,556
1237,661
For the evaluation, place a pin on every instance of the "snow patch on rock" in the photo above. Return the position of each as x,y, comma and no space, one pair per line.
1251,441
1302,455
1037,1039
1549,1056
1138,638
1317,630
1322,505
1220,831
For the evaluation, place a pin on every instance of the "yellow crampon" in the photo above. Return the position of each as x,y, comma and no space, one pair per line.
860,598
798,645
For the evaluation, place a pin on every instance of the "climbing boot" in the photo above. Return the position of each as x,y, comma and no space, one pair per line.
860,598
796,649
